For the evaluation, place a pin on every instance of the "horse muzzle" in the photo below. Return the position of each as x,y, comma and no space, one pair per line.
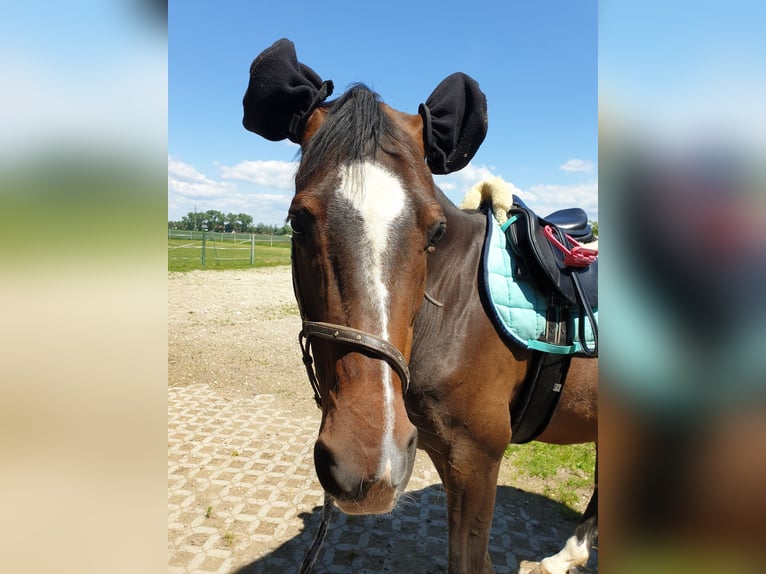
358,492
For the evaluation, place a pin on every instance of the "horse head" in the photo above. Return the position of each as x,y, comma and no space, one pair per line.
364,219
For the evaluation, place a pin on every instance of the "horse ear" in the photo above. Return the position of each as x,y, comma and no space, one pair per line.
281,93
454,123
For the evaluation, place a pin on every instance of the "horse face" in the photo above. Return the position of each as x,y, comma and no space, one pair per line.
363,225
364,218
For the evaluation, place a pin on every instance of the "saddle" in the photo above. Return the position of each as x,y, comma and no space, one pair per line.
541,291
551,256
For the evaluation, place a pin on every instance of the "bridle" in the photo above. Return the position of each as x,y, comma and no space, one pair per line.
372,344
340,334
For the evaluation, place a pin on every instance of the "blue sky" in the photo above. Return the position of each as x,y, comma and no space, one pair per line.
535,61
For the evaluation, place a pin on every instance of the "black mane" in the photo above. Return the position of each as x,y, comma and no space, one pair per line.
354,130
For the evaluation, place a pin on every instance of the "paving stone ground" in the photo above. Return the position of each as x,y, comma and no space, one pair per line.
243,498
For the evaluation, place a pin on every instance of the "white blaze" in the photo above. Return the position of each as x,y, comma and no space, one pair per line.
379,197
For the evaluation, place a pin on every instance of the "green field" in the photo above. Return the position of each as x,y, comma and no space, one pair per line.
186,254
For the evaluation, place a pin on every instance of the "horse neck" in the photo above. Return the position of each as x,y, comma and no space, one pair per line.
453,267
452,280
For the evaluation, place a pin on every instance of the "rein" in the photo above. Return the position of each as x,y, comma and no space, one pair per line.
311,555
360,340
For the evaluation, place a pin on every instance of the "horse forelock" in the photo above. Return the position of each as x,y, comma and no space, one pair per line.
355,129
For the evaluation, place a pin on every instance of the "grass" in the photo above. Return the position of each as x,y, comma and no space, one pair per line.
229,538
562,470
186,255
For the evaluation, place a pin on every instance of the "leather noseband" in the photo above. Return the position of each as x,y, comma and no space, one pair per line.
355,338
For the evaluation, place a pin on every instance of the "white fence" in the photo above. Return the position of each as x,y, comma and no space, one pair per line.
210,245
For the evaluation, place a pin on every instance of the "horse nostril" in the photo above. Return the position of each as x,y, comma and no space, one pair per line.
323,463
330,475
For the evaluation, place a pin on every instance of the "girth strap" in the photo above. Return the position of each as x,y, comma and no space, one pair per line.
533,409
353,338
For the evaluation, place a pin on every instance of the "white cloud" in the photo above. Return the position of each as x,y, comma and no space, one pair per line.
268,173
183,170
262,189
577,165
456,185
184,180
197,190
547,198
471,173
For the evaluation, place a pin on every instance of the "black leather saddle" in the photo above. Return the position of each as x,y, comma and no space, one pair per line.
573,221
550,254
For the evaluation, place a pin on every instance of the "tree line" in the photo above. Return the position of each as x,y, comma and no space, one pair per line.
214,220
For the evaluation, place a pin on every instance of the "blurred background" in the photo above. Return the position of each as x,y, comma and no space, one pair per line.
83,152
83,163
682,234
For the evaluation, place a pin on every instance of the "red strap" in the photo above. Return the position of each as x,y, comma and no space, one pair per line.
578,256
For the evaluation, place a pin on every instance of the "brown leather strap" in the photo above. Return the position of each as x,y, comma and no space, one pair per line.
356,338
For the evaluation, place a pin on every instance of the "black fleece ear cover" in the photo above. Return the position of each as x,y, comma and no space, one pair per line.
454,123
281,93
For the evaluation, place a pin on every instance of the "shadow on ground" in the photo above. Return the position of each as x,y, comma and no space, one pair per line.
413,538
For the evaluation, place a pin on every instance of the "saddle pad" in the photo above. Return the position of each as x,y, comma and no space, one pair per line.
517,306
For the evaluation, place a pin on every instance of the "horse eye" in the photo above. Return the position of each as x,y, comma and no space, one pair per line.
296,225
436,233
297,228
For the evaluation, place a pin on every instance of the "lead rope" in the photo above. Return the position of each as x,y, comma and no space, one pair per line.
310,557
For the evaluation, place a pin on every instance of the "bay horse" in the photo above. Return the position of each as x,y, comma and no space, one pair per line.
398,345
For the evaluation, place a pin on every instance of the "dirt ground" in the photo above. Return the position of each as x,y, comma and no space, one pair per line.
236,332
